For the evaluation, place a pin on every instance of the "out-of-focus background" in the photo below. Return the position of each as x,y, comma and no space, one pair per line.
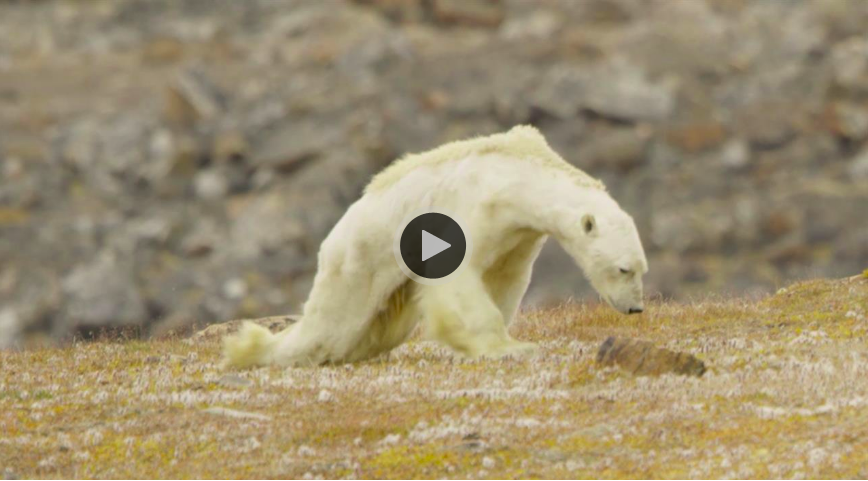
170,162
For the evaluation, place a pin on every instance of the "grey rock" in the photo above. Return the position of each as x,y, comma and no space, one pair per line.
621,149
230,145
735,154
172,160
662,156
620,90
850,64
234,288
853,245
203,238
481,13
102,292
10,327
291,145
858,167
267,225
211,184
561,92
193,97
82,145
768,126
851,120
215,331
124,144
540,24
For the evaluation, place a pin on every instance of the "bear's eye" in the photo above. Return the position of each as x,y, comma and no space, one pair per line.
624,271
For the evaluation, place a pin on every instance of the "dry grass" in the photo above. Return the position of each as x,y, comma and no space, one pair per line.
786,396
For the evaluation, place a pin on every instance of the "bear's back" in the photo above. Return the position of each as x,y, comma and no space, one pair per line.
521,142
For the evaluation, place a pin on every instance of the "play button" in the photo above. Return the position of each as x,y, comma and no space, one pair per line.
430,247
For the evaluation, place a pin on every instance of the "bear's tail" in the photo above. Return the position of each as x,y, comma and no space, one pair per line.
253,345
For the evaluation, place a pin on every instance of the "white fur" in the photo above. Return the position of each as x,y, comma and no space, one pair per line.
512,191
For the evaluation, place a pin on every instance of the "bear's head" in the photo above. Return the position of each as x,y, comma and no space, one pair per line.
606,245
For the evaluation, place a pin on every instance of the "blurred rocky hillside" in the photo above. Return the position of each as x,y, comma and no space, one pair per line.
167,162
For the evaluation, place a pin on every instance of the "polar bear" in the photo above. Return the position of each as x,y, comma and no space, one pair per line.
512,191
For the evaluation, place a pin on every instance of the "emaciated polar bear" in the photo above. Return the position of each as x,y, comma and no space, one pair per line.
511,190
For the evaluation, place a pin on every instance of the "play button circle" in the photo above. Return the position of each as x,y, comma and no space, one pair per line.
430,247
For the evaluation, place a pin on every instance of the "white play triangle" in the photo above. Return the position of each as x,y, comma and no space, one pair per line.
432,245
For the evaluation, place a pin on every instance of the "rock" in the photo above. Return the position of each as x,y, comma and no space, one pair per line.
853,247
780,222
10,327
163,50
560,93
768,126
735,154
826,216
211,184
216,331
398,10
202,239
662,156
230,145
10,216
641,358
538,25
847,120
268,225
622,91
676,231
12,168
123,146
173,159
193,98
103,292
615,89
235,288
290,146
850,64
622,149
697,136
81,144
788,250
477,13
858,167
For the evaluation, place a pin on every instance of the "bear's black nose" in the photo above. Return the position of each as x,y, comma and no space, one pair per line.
635,310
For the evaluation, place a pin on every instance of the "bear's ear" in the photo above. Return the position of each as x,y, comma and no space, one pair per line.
589,224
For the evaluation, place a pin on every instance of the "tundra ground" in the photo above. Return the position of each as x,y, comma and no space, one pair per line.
786,395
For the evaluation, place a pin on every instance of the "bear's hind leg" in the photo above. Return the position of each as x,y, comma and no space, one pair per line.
390,327
462,315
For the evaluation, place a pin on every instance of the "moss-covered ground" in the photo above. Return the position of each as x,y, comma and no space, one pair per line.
786,395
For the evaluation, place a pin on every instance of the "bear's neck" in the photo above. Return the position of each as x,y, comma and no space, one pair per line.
555,206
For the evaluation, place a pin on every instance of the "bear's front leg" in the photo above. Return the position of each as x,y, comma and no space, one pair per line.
462,315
